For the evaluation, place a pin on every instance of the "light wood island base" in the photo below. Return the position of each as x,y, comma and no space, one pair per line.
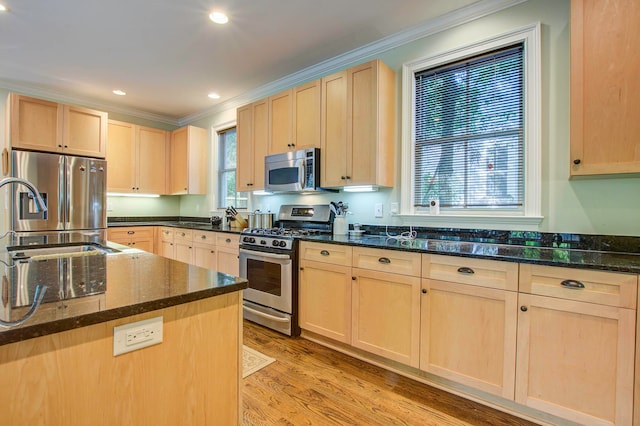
72,377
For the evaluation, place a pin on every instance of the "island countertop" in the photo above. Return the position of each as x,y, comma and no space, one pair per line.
85,290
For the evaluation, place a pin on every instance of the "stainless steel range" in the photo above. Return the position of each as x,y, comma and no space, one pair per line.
269,261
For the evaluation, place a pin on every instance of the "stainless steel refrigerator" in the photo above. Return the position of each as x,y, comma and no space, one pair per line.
74,190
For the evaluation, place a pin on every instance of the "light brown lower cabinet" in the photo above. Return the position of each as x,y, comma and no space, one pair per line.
468,335
227,246
575,358
385,315
325,299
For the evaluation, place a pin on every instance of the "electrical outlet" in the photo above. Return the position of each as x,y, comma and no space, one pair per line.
137,335
378,210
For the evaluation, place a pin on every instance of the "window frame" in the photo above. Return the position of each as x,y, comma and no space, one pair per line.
218,196
530,214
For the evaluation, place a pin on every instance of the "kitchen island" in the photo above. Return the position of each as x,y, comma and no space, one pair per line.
59,366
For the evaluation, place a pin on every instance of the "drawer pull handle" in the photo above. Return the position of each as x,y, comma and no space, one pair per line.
465,270
204,237
228,240
131,232
384,260
573,284
324,253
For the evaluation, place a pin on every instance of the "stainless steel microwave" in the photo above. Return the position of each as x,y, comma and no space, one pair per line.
294,171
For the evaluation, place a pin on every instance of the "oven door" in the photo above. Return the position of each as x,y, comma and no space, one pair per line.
270,279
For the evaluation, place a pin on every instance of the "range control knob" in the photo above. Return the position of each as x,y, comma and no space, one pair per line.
275,243
263,242
283,243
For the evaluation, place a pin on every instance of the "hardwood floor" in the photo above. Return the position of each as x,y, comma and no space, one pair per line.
313,385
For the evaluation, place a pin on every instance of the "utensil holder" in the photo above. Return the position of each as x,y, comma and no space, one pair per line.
340,225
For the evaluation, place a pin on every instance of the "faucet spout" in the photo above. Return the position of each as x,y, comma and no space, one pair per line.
40,204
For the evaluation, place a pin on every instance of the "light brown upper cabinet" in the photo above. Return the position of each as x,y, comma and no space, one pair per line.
251,145
358,126
188,161
137,159
42,125
294,118
605,112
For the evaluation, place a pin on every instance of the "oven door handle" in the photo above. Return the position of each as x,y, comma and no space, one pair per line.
267,255
262,314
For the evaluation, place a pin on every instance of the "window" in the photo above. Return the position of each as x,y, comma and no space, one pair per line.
473,144
227,195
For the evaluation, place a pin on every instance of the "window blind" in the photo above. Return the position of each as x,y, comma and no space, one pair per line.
469,132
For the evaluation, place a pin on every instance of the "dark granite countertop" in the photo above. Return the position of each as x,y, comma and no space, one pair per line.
200,224
553,256
90,289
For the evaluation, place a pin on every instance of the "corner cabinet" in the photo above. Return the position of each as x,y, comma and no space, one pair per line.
42,125
605,112
137,159
251,145
188,161
358,126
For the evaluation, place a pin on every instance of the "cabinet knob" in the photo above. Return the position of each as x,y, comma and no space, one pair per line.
577,161
424,291
204,237
342,177
302,268
348,177
523,308
66,146
353,278
59,146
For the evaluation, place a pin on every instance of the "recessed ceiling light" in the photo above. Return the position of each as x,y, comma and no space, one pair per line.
214,96
3,8
119,92
219,17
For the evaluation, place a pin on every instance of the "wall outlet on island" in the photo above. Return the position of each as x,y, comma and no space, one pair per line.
137,335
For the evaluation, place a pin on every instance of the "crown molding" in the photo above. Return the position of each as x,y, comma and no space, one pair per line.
447,21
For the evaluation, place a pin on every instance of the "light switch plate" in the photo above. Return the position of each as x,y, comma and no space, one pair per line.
137,335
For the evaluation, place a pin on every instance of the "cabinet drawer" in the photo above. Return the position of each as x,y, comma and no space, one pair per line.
130,233
464,270
605,288
326,253
397,262
167,234
183,235
228,241
204,237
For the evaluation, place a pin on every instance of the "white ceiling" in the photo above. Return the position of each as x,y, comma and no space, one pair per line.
167,55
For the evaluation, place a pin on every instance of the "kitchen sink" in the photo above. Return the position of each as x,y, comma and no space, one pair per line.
57,251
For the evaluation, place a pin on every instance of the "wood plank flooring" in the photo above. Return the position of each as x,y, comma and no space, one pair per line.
313,385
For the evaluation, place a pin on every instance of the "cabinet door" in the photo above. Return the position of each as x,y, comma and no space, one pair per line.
260,141
204,256
167,249
179,160
306,115
325,300
280,122
386,315
152,160
228,262
575,359
334,130
183,252
244,149
35,124
468,335
84,132
605,112
121,157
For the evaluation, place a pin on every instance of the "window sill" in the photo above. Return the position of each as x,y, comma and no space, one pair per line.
524,223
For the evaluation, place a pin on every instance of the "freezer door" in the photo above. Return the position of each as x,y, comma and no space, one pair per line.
46,172
86,193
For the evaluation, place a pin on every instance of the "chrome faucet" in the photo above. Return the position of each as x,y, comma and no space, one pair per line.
40,205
